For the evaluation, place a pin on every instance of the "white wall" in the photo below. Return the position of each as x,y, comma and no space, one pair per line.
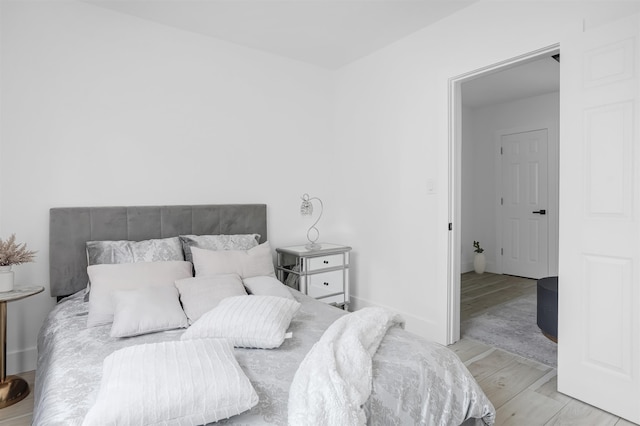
481,129
392,126
100,108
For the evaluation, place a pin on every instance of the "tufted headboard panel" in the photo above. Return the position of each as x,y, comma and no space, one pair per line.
71,227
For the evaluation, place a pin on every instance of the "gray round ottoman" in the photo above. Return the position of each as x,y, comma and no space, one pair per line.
548,307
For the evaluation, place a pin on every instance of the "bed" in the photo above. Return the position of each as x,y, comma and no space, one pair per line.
414,381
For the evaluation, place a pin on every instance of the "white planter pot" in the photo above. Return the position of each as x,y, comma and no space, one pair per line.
6,278
479,263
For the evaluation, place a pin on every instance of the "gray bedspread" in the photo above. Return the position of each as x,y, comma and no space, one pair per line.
415,381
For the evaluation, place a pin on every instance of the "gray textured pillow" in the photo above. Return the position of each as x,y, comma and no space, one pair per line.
201,294
217,242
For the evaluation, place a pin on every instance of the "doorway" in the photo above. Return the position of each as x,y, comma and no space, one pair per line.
481,118
598,303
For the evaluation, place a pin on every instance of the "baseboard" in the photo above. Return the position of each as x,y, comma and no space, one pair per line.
424,327
468,267
21,361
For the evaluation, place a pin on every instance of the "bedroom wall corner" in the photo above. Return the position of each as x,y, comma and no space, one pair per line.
392,122
101,108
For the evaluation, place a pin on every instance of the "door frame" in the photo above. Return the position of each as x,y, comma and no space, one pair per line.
455,176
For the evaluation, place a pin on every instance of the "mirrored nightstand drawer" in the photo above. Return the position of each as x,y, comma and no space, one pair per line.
325,262
325,284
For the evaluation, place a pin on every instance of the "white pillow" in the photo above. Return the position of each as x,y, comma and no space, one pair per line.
246,263
109,278
247,321
171,383
147,310
201,294
267,286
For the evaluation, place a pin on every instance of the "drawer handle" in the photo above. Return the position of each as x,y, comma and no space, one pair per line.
325,283
326,262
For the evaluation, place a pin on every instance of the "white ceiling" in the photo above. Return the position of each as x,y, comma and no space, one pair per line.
530,79
327,33
333,33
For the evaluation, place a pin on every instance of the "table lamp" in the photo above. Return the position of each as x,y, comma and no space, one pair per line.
306,209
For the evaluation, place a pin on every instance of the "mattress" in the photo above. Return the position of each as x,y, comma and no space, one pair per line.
415,381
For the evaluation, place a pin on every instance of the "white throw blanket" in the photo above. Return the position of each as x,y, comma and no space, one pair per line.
334,379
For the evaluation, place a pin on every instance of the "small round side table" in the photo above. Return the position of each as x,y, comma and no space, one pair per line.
12,388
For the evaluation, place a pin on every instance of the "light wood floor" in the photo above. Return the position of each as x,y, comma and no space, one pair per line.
479,292
524,392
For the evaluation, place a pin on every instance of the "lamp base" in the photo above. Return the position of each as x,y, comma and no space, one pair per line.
313,246
13,389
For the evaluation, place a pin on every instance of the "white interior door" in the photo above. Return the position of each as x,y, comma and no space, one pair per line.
599,269
525,221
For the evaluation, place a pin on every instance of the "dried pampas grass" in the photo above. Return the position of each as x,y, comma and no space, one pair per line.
12,253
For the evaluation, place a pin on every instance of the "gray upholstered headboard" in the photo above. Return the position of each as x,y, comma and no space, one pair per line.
70,228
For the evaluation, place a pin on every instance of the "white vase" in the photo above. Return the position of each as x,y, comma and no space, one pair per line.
479,263
6,278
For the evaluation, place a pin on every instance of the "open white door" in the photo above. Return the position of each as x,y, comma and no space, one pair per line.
599,270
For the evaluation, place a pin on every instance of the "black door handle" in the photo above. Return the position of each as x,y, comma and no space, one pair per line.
540,212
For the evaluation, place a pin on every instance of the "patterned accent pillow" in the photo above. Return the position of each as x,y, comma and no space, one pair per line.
155,250
217,242
171,383
247,321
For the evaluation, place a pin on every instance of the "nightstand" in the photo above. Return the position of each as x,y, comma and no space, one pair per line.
320,273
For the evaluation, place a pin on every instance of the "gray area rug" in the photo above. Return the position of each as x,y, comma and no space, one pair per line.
512,326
